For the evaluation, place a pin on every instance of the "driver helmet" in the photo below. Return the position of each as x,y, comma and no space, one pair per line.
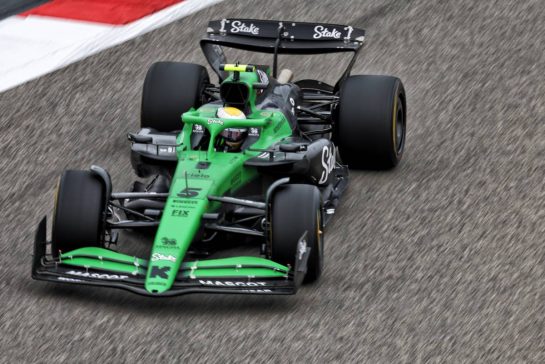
233,136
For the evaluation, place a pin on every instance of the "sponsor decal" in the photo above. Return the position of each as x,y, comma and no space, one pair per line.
168,242
239,27
301,248
231,283
322,32
328,163
215,121
262,76
159,272
222,22
186,202
292,102
198,129
98,275
236,178
277,126
166,150
158,256
66,279
179,213
198,175
349,30
189,192
253,132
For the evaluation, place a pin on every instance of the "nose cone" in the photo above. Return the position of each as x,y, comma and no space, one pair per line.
180,220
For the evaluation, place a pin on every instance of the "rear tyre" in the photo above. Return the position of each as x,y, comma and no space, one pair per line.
78,219
371,125
170,89
296,209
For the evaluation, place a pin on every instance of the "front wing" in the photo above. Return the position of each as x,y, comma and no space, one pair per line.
46,268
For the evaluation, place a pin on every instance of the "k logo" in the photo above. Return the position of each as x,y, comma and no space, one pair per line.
159,272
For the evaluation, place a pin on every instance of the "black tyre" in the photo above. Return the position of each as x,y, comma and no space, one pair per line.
296,209
170,89
79,212
371,123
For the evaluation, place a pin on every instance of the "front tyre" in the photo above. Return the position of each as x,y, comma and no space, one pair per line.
78,219
371,123
296,209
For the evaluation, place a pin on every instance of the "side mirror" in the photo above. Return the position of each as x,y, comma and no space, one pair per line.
292,148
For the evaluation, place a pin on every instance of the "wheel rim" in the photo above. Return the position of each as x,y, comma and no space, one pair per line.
400,127
320,239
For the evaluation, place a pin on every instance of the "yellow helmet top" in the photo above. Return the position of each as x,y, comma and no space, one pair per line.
230,112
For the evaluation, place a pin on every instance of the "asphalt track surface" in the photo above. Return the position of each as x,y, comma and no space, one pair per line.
440,260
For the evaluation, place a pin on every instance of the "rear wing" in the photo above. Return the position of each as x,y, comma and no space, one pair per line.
278,37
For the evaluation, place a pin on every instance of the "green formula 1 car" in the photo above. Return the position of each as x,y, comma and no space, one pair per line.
255,160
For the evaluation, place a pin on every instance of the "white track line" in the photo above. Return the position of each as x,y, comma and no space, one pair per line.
35,45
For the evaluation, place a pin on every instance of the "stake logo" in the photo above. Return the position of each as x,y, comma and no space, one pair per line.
239,27
328,163
215,121
322,32
158,256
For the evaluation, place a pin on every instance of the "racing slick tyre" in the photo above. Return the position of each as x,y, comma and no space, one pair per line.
295,209
170,89
79,212
371,123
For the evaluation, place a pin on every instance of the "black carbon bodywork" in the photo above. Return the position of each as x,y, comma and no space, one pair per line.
310,161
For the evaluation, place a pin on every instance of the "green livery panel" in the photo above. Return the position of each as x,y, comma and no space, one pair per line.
200,173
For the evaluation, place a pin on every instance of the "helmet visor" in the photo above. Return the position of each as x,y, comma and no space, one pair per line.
234,134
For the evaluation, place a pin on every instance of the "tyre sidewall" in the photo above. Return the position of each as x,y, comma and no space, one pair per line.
79,212
366,121
296,209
